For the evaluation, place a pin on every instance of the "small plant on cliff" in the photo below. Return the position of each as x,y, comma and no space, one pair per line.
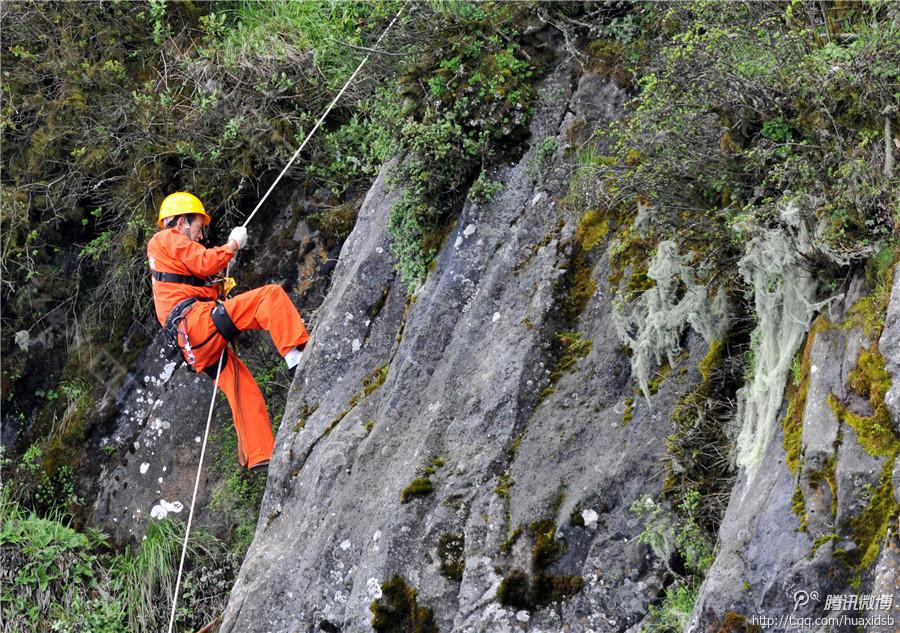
398,610
469,95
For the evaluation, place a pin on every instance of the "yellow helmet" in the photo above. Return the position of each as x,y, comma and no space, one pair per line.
180,203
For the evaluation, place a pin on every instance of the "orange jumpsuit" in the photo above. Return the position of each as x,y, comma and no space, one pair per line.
266,308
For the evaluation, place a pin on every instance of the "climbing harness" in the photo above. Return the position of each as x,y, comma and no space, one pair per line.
224,327
176,329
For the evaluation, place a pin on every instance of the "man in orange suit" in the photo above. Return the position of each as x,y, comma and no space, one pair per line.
186,296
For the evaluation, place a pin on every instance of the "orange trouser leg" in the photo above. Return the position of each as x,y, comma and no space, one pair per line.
248,408
269,308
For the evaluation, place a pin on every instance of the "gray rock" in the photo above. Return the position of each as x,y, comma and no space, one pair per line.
162,411
763,560
466,363
889,345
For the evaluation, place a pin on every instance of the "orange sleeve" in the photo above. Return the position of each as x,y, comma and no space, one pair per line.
202,262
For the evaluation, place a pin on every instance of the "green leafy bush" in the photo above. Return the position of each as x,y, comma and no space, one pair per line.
468,94
53,577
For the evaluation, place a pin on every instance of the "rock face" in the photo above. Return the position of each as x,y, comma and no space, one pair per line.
159,427
769,565
471,453
450,388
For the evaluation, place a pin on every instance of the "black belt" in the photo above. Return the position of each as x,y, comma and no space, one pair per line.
178,279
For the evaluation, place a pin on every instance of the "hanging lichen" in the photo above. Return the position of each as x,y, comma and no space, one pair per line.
784,300
653,325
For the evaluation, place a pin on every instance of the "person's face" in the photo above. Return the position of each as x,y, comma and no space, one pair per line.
194,229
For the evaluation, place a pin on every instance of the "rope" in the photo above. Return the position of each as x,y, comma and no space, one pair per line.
321,119
212,403
187,531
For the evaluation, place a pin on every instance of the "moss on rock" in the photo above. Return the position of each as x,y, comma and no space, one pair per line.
450,552
420,487
869,528
793,420
869,379
398,611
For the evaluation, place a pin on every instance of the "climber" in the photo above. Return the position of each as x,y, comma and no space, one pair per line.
200,323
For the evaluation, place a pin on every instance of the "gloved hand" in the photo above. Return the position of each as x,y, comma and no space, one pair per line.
238,235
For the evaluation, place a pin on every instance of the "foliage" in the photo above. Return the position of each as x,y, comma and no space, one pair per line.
751,120
472,91
106,108
108,111
680,534
56,578
744,134
672,615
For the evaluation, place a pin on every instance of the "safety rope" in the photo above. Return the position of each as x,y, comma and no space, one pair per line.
187,530
321,119
331,105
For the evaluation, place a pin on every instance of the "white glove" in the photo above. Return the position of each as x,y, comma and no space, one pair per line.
239,235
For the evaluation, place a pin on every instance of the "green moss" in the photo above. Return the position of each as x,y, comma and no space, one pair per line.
659,377
875,433
829,472
820,540
375,379
420,487
337,420
570,347
517,591
368,426
869,528
798,506
694,450
504,485
630,252
450,553
870,311
629,410
334,225
592,229
712,360
510,540
433,465
549,588
547,549
371,383
582,288
793,420
304,416
514,590
546,392
398,611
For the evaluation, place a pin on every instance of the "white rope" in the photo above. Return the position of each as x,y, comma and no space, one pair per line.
321,119
212,403
187,530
